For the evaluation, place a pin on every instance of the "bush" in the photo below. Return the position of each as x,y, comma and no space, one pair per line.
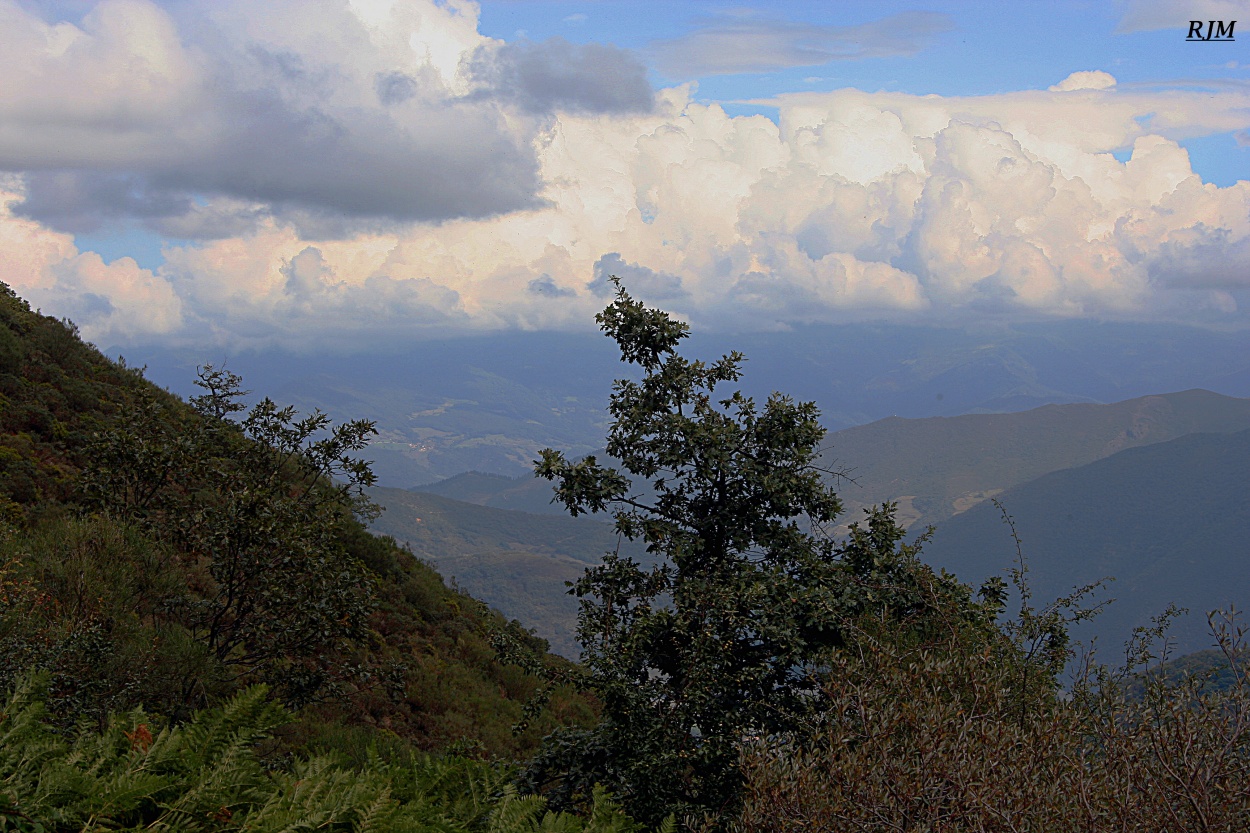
938,736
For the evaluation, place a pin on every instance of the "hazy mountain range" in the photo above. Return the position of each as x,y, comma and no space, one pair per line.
1167,521
1143,490
489,403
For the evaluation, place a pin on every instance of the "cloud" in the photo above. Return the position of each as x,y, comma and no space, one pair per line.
750,44
359,173
112,303
320,111
645,283
557,75
1090,80
546,286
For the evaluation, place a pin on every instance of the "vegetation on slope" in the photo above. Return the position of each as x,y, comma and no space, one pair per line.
212,773
158,564
161,556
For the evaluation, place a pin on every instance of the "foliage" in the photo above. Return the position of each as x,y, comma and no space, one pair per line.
107,581
726,638
255,506
932,736
210,774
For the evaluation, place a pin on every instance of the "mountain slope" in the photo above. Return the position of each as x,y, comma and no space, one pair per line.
1168,521
109,602
938,467
518,562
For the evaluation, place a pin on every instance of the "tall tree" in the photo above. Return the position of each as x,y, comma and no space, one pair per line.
723,640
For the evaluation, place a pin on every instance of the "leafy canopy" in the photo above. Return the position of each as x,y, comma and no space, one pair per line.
726,638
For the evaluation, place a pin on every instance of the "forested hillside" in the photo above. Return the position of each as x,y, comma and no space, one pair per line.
162,556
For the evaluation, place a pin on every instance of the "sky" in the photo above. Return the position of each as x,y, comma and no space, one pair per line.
355,174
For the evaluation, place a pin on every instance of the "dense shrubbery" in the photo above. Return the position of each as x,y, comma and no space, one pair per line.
931,736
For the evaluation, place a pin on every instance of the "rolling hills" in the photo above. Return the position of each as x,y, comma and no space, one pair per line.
937,467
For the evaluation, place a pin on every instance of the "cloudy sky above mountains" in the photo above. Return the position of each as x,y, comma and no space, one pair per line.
358,172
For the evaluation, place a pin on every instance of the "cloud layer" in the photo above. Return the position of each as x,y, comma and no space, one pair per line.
377,170
749,43
317,110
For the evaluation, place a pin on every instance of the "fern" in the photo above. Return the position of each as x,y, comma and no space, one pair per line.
204,777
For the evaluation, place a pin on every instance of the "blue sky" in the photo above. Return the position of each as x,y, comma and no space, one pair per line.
355,171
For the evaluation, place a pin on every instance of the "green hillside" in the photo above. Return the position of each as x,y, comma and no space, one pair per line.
1167,521
152,555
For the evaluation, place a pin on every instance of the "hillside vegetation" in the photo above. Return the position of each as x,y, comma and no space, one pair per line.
161,556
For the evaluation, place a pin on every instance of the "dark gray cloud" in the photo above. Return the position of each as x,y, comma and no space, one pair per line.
639,280
548,288
366,163
459,160
730,45
309,132
81,201
557,75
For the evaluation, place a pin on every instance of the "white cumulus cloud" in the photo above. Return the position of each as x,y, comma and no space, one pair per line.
378,170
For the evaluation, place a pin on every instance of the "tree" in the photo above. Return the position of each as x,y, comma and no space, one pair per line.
726,638
256,507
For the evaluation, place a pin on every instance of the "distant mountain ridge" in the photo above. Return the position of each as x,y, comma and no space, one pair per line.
1168,521
941,466
937,467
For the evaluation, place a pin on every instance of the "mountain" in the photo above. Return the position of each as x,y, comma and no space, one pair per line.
1167,521
935,468
938,467
518,562
489,403
524,493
